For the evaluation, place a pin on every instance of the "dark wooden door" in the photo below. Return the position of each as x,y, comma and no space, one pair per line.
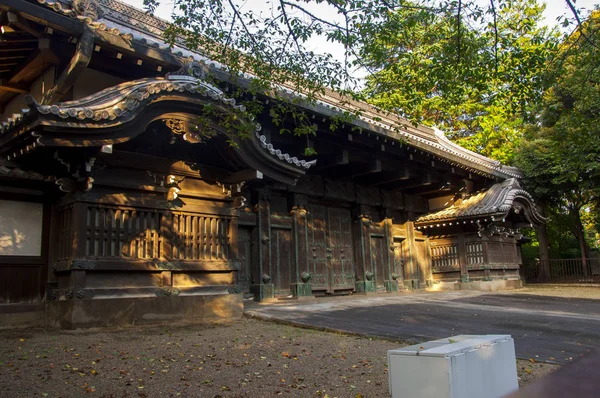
380,268
330,248
281,259
317,243
339,240
245,258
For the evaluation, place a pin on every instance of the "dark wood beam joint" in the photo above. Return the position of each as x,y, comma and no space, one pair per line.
340,158
402,174
243,176
17,21
80,61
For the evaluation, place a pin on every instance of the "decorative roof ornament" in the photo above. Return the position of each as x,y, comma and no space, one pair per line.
190,133
191,68
88,9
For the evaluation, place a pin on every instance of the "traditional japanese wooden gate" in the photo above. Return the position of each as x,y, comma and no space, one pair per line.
330,248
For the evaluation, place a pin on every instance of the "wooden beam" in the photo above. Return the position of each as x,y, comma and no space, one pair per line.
242,176
141,51
373,167
20,23
35,64
42,15
423,179
340,158
402,174
431,189
80,60
13,87
14,50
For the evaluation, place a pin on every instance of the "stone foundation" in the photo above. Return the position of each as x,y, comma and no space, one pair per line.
111,312
486,286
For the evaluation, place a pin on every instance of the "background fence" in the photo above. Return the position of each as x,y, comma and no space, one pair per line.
562,270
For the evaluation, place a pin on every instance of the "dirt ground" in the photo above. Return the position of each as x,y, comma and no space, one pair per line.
591,292
247,358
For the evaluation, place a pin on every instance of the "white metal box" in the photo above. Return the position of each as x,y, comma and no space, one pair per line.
465,366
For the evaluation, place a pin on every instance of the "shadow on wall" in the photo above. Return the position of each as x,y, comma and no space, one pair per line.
20,228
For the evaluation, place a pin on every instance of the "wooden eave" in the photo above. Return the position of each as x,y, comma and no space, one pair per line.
120,113
493,204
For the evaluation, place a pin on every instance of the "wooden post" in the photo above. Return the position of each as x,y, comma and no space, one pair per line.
263,288
232,250
462,257
486,258
391,283
366,281
301,286
411,279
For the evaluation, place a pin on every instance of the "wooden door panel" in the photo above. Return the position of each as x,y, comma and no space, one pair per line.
330,248
339,233
398,264
245,258
281,261
317,240
379,265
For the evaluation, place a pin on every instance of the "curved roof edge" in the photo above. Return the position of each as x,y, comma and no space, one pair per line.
99,119
118,18
494,203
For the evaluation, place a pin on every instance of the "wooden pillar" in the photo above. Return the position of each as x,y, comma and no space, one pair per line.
233,249
486,259
364,260
263,288
301,286
411,276
462,258
79,238
391,282
429,276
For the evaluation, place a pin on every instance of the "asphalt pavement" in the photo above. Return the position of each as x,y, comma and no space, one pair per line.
548,329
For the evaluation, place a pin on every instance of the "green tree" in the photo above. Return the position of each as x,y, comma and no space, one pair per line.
475,75
482,72
561,153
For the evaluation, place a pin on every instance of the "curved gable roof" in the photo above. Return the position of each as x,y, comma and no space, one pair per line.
495,202
119,113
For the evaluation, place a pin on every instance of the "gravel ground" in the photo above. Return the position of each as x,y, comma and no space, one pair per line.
246,358
562,291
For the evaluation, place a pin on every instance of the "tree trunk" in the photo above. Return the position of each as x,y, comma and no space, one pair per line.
579,233
544,253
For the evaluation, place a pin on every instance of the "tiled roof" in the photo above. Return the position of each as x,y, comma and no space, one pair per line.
495,202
